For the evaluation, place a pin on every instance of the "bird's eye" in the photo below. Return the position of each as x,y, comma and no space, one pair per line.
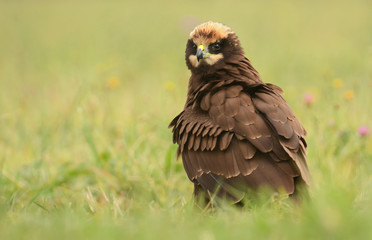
215,47
194,46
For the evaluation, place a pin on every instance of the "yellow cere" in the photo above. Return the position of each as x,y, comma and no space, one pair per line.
201,46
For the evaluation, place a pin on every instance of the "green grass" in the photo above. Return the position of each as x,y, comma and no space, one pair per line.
84,158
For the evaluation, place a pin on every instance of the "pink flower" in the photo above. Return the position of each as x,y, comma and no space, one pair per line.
308,98
363,131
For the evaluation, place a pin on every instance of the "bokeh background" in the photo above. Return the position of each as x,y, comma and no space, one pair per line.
88,88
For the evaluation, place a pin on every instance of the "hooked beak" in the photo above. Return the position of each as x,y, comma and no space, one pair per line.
200,53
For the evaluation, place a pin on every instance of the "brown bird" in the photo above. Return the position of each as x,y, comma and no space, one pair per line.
236,133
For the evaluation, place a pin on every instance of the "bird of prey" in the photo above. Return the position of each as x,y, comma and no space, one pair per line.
236,133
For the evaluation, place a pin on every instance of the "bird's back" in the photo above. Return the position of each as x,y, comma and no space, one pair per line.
235,133
235,137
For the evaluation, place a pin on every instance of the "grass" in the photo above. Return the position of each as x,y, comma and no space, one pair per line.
88,89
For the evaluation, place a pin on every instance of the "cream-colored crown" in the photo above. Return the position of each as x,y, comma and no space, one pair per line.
210,32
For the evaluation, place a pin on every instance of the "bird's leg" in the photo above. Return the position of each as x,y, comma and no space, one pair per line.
200,195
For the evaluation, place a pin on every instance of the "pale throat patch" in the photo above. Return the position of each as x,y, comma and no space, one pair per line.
210,60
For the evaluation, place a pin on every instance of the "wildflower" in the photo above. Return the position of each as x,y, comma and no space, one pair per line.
113,82
308,98
363,131
337,83
169,86
349,95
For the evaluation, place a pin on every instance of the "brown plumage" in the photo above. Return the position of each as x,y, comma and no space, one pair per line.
235,133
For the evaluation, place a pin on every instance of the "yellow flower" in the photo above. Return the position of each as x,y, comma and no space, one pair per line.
113,82
349,94
169,86
337,83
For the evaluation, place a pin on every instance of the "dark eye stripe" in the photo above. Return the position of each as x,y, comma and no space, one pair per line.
215,47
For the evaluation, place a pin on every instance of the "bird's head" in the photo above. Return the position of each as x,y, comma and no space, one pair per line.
210,44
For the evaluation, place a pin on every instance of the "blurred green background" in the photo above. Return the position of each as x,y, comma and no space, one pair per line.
88,88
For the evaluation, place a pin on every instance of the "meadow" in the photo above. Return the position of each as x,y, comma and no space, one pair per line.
88,88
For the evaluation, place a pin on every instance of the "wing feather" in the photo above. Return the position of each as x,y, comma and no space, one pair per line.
251,137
